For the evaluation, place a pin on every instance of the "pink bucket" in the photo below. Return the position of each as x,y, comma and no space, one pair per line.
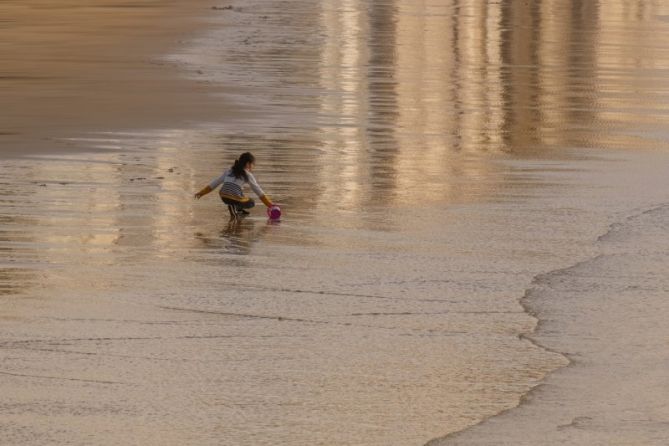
274,212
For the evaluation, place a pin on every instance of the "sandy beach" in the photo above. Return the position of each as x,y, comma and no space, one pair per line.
472,251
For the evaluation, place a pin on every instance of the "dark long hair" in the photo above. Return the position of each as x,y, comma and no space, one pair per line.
241,162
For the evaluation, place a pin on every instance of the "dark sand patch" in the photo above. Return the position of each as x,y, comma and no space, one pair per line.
75,68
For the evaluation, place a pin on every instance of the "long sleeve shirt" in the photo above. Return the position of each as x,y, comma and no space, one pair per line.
233,186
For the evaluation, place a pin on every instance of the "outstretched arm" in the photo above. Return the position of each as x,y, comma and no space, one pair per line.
203,192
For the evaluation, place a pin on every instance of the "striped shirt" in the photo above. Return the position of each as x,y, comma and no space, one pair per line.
232,186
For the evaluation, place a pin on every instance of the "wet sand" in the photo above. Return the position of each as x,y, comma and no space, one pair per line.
451,175
74,69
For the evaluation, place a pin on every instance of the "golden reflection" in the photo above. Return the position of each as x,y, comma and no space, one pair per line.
446,99
439,86
172,173
343,59
79,208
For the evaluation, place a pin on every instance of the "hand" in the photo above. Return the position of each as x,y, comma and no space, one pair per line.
198,196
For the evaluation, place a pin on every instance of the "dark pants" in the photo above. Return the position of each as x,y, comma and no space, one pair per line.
246,204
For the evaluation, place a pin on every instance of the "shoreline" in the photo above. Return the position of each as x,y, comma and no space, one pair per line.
524,302
554,410
114,78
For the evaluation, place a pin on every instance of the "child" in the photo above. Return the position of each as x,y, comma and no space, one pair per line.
233,180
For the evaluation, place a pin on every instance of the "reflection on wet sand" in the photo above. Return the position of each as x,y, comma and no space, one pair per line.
443,93
403,138
238,236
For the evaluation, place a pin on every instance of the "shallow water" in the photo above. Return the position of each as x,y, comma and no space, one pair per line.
432,160
607,314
